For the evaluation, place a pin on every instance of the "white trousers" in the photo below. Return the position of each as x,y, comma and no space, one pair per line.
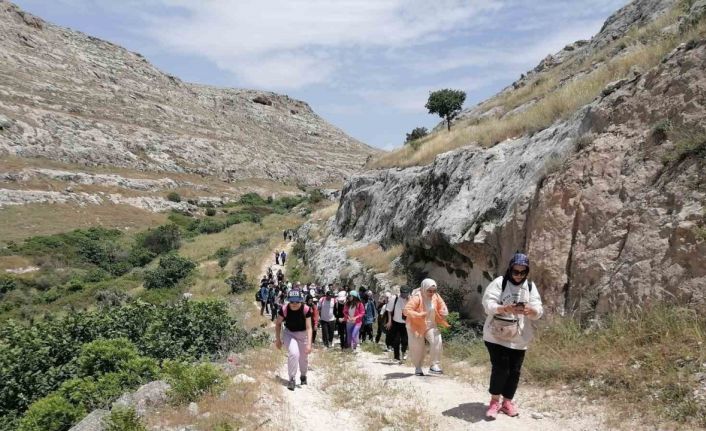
417,349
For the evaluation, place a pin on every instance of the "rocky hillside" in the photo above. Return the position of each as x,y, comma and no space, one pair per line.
70,97
609,202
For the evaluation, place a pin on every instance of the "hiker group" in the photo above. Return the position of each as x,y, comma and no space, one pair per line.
410,319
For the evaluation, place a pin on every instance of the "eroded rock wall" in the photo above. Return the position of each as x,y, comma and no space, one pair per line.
609,204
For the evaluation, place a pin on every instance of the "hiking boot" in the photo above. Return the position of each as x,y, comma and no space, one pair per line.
509,408
435,369
303,380
400,361
292,384
418,372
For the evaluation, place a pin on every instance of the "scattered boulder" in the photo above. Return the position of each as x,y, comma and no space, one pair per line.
262,100
5,122
95,421
150,395
193,409
242,378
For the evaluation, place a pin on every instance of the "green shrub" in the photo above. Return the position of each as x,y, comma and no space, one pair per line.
243,217
191,382
181,219
163,239
95,275
252,199
171,270
238,282
105,356
316,196
417,133
208,226
52,413
35,360
7,283
173,197
123,419
74,285
210,212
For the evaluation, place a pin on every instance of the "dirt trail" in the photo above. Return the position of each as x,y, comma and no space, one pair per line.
452,403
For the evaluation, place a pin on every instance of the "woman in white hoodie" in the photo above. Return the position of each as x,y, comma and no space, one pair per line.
509,301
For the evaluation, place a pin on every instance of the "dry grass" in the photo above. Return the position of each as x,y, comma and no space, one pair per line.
239,405
555,101
23,221
374,257
386,405
325,213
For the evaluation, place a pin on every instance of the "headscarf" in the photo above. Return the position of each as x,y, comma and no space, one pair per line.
519,259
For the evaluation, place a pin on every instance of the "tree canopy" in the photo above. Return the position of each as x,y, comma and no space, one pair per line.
446,103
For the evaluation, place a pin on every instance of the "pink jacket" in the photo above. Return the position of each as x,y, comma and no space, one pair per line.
359,313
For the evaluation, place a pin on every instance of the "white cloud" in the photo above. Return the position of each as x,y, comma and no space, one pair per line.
294,43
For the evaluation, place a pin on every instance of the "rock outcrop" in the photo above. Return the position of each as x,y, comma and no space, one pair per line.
610,204
70,97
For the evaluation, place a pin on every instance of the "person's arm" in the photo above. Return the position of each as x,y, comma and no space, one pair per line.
443,310
278,332
308,336
360,311
410,308
491,299
534,310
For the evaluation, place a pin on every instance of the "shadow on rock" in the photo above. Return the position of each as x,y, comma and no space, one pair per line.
469,412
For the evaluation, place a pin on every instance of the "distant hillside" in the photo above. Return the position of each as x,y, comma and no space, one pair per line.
72,98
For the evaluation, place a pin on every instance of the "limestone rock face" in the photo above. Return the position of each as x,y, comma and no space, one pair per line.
73,98
609,206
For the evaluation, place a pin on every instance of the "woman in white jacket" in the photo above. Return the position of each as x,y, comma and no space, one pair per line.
509,301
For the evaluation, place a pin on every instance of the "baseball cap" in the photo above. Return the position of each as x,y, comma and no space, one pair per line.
295,296
405,289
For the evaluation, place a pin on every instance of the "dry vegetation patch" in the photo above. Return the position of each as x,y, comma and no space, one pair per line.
23,221
375,257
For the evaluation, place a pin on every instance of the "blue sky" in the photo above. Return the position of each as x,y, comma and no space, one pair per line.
367,66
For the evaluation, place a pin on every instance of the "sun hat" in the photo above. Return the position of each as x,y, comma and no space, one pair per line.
295,296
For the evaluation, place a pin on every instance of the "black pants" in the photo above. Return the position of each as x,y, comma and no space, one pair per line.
327,329
398,338
342,335
366,331
506,365
381,330
275,310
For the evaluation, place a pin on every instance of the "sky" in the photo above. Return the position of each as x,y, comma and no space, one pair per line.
367,66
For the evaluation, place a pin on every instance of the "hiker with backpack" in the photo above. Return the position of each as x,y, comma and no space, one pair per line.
276,257
340,319
312,302
382,318
425,312
509,302
353,313
296,337
283,257
262,296
396,328
327,318
371,314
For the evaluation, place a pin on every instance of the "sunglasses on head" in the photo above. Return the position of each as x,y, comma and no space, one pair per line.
516,272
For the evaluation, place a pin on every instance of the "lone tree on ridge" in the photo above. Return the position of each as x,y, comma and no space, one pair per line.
446,103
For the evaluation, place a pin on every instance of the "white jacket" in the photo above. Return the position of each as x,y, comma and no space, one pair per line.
512,293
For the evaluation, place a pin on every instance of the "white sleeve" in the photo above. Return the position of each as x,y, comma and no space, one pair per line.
536,302
491,297
391,305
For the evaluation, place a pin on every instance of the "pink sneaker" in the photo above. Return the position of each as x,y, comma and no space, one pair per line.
509,408
493,409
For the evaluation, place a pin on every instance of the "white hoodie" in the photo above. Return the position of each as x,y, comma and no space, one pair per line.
512,293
